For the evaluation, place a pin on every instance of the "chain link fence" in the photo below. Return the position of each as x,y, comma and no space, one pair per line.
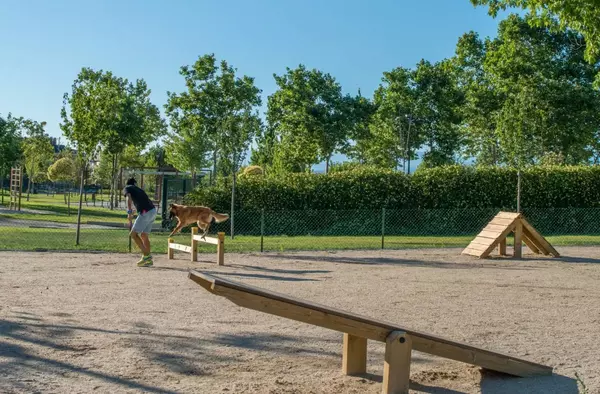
47,223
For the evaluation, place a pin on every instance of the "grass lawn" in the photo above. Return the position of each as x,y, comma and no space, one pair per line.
118,241
58,211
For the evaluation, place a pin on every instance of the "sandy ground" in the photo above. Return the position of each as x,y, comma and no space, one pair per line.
79,323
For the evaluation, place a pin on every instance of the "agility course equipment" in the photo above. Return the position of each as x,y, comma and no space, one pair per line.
499,228
357,330
16,182
193,249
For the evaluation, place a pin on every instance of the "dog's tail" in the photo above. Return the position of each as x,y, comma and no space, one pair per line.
219,217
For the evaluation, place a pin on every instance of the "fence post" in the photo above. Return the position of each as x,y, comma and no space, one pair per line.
262,229
382,228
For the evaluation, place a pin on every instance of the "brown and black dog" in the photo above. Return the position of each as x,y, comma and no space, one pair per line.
187,215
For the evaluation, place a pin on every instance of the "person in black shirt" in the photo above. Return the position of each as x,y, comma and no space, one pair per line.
144,221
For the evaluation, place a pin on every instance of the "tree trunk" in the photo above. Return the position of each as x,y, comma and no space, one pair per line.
80,204
214,167
28,187
233,197
113,199
2,185
327,164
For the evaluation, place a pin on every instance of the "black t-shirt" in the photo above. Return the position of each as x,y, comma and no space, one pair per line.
139,197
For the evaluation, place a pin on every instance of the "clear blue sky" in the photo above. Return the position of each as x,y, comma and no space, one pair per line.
46,43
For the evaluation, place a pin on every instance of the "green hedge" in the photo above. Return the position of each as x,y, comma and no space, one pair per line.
436,188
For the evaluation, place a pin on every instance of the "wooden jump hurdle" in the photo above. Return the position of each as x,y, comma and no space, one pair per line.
357,330
193,249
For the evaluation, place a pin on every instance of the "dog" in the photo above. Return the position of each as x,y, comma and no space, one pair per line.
203,216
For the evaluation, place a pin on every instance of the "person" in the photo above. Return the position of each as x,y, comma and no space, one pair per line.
144,221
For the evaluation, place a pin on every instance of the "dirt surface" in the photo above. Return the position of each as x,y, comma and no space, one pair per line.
79,323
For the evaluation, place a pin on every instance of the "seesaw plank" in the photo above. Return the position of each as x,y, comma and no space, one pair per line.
292,308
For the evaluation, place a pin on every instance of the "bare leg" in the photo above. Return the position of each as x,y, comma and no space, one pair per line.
138,241
146,242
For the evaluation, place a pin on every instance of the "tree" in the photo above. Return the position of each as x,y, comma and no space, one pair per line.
264,153
436,112
133,121
361,113
389,140
10,146
217,114
105,111
414,108
582,16
530,93
38,152
482,101
310,115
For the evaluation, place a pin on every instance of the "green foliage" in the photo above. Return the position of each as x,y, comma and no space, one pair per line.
448,187
37,153
529,94
415,108
108,112
216,115
62,170
311,119
582,16
10,143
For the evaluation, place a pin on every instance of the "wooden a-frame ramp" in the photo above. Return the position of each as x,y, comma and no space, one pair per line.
494,235
399,340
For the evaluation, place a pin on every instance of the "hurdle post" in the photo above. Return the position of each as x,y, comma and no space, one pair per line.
169,249
221,249
194,252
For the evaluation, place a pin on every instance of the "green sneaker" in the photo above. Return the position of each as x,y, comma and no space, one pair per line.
146,261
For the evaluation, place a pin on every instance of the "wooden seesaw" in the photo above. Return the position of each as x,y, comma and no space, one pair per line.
193,249
357,330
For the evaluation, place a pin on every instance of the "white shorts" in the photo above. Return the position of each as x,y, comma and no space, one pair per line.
143,223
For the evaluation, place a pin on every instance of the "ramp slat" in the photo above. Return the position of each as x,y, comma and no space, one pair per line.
323,316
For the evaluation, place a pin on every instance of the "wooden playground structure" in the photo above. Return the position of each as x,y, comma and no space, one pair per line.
499,228
358,329
16,187
193,248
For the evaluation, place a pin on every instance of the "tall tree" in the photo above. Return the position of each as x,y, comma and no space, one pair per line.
310,115
205,119
216,116
533,94
133,121
106,111
482,101
415,108
436,112
362,111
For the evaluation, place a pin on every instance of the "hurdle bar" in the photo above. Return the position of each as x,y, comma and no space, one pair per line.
193,249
